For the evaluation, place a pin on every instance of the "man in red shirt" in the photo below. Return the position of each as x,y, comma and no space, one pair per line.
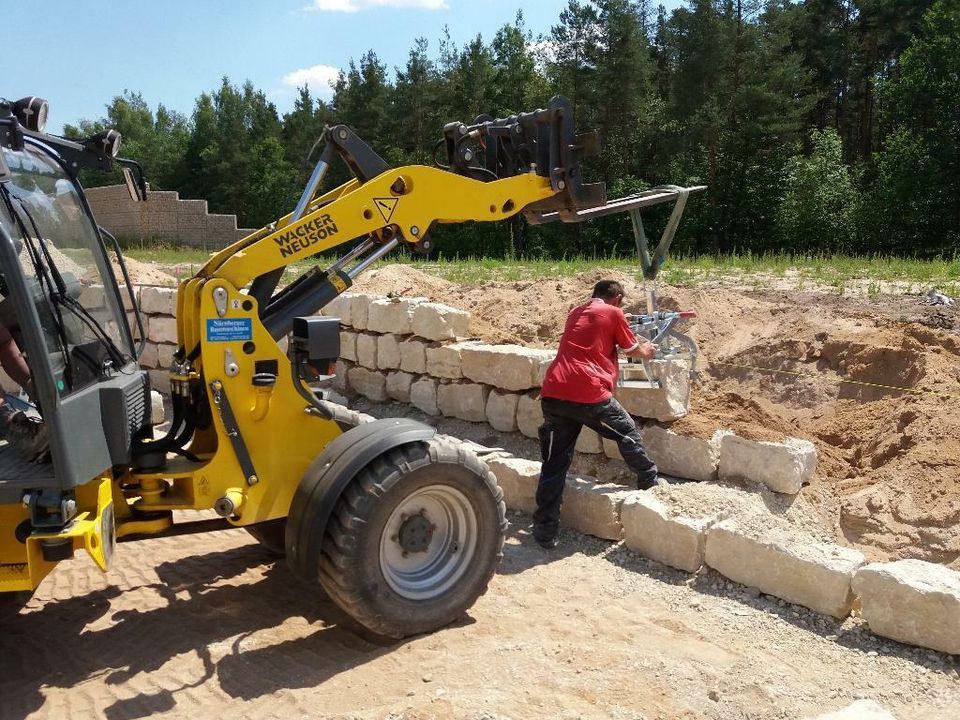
578,391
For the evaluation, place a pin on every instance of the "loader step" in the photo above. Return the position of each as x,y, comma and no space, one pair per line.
18,474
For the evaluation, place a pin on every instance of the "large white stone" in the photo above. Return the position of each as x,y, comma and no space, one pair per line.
413,356
392,315
359,309
160,380
529,415
510,367
367,350
161,329
912,601
126,299
588,442
860,710
156,408
436,321
388,352
423,395
783,467
165,355
651,528
149,358
158,301
348,345
341,380
398,386
682,456
518,479
93,296
369,383
463,400
670,401
443,361
784,563
592,508
340,308
502,410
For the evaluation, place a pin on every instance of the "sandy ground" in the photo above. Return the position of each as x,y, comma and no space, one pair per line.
210,625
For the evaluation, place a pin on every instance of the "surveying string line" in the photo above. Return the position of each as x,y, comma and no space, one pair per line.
824,378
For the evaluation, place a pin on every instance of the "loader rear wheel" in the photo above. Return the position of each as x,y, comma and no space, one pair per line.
414,539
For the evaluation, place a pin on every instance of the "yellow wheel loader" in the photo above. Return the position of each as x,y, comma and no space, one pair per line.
402,529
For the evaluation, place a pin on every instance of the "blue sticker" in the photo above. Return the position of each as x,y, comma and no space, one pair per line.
239,329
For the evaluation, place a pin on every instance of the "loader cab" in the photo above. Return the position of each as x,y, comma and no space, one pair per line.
63,306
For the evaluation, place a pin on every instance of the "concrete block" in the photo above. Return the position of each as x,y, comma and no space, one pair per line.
398,386
423,395
785,563
149,358
860,710
160,380
912,601
158,301
443,361
670,401
518,479
783,467
392,315
592,508
529,415
682,456
651,528
388,352
161,329
589,442
413,355
348,345
435,321
367,350
341,379
464,400
509,367
339,308
369,383
359,309
165,355
502,410
156,408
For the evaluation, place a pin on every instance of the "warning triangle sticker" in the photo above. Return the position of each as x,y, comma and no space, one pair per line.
386,206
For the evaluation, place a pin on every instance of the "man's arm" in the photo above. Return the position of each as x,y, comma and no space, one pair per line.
628,343
646,350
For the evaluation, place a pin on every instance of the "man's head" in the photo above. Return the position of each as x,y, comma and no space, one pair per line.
610,291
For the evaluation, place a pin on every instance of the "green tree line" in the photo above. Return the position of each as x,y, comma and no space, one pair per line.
821,126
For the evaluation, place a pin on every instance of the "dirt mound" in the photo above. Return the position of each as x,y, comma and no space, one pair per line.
142,273
875,384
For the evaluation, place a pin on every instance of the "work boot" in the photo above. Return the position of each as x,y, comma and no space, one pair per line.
28,436
649,483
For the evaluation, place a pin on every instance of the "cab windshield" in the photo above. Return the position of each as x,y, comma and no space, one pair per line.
67,271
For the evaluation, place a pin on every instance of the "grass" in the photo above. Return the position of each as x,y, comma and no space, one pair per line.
870,275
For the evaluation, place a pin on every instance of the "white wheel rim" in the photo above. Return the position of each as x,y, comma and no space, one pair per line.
428,572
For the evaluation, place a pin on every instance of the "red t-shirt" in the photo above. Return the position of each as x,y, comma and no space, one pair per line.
585,369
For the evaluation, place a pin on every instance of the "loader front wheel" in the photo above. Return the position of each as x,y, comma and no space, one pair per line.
414,539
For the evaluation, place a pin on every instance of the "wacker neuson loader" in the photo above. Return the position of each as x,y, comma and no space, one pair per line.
401,528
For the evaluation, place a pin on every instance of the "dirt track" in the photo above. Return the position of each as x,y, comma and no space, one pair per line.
207,626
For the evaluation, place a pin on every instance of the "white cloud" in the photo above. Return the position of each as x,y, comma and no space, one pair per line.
319,78
352,6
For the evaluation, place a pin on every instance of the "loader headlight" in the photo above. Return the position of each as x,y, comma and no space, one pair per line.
105,141
32,112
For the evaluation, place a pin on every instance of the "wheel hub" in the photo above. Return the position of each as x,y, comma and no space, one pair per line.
415,534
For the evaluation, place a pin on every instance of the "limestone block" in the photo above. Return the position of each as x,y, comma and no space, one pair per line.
589,442
92,296
436,321
785,563
341,380
529,414
783,467
518,479
388,352
132,324
369,383
340,308
413,356
509,367
392,315
398,386
912,601
592,508
149,357
165,355
545,363
611,449
162,329
670,401
423,395
860,710
443,361
683,456
651,528
367,350
348,345
464,400
158,301
156,408
160,380
359,309
502,410
126,299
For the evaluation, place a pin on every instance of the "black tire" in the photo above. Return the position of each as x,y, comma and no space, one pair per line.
351,566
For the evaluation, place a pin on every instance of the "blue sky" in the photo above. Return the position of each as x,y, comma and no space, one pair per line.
171,51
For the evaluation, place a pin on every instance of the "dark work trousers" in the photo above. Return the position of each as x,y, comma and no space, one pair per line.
562,422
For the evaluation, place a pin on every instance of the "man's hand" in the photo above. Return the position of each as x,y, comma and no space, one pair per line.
646,350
